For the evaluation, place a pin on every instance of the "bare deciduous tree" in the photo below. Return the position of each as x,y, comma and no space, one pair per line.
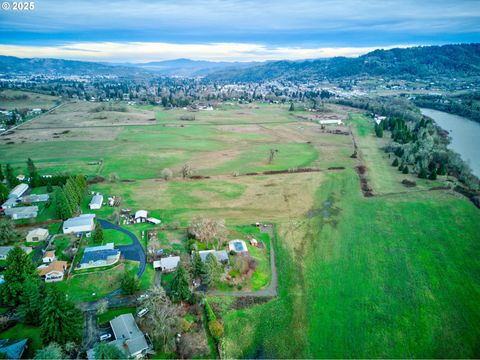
207,230
186,171
271,155
162,319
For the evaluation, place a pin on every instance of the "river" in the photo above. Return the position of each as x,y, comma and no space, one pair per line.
465,135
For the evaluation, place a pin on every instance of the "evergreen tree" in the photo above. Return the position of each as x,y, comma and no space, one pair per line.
379,130
213,270
129,283
180,285
8,234
422,173
11,179
49,186
52,351
2,176
198,267
433,175
98,233
400,168
442,170
3,192
62,207
104,351
61,321
395,162
82,184
405,169
292,107
31,301
32,169
19,269
71,192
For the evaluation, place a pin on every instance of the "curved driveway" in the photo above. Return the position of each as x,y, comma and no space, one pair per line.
133,252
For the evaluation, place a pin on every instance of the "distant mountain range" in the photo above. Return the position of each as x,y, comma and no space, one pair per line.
416,62
461,60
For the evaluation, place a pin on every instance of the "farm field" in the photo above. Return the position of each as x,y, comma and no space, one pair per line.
16,99
393,275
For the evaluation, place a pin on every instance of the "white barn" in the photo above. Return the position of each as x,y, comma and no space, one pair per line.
79,224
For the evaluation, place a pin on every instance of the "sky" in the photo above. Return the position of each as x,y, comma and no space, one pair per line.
238,30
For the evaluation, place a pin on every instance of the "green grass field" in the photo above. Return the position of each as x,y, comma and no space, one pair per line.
15,99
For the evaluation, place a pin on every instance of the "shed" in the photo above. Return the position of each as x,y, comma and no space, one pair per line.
96,203
37,234
49,256
141,216
153,220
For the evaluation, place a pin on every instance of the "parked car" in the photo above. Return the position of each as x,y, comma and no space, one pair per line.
105,337
143,297
142,312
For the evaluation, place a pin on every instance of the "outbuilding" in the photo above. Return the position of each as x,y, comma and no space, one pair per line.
96,203
18,191
80,224
37,234
23,212
49,256
141,216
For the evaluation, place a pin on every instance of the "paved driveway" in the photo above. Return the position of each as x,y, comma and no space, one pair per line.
133,252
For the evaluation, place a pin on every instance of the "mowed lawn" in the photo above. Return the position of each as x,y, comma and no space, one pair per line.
380,277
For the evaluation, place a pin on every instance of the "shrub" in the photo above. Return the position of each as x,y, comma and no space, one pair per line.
209,312
216,329
167,174
405,169
395,162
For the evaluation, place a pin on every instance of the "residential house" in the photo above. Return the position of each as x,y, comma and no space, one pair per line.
37,234
49,256
128,337
54,271
35,198
80,224
167,264
97,256
13,349
24,212
4,250
221,255
96,203
18,191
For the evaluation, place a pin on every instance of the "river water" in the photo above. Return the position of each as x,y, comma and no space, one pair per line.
464,133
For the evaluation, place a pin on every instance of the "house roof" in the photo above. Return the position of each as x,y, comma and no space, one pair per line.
108,246
56,265
38,232
4,250
99,255
18,190
221,255
12,348
168,263
35,198
96,200
141,214
50,254
82,220
21,210
127,334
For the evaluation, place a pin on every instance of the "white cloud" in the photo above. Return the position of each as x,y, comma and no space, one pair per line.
151,51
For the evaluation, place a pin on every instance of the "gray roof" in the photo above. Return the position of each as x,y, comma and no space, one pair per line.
35,198
24,210
168,263
82,220
96,200
127,334
221,255
18,190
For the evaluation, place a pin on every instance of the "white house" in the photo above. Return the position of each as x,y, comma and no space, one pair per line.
79,224
4,250
96,203
24,212
49,256
37,234
167,264
54,271
141,216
